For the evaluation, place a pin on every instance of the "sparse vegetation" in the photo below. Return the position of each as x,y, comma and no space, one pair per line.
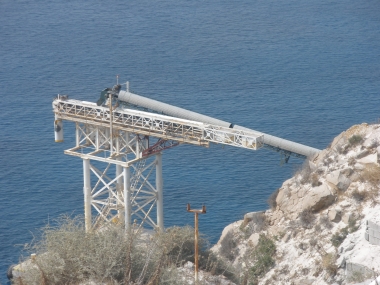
371,174
263,258
258,224
325,222
328,263
342,149
358,196
307,218
355,140
228,246
313,242
304,172
351,160
272,199
315,180
68,255
340,236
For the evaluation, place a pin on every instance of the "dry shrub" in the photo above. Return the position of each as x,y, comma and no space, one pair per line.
328,263
358,196
371,174
313,242
307,218
304,172
228,246
272,199
325,221
351,160
315,180
66,254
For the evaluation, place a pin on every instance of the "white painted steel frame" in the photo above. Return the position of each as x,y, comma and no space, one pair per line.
159,126
124,196
138,198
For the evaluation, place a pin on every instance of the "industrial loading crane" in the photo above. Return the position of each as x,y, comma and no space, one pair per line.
116,133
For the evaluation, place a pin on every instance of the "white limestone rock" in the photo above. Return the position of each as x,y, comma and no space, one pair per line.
334,215
318,198
369,159
338,180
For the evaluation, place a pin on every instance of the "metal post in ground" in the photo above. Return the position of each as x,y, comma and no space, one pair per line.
196,212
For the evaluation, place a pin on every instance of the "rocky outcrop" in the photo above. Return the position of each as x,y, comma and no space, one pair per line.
292,200
319,223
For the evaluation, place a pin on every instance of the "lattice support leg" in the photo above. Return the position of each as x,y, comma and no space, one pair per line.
159,189
119,191
87,194
127,197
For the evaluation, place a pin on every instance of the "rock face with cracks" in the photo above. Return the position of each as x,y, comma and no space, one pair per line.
319,221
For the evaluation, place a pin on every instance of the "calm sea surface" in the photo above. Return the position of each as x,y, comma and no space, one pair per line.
300,70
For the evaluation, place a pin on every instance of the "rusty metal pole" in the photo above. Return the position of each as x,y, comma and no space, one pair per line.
196,212
196,247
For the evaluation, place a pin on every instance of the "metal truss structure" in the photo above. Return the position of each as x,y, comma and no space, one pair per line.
131,142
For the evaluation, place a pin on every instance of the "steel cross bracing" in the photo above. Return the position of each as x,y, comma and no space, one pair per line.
132,143
107,195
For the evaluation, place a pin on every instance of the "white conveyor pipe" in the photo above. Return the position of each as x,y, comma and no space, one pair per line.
174,111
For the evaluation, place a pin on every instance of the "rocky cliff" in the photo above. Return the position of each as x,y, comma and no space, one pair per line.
324,223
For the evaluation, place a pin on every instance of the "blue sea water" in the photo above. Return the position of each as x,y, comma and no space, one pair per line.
300,70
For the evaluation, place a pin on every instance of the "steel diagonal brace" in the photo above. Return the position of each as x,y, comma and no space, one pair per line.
159,146
286,154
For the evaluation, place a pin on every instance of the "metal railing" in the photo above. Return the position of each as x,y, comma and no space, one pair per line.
155,125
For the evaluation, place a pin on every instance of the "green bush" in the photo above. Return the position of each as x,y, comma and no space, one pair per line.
355,140
263,257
